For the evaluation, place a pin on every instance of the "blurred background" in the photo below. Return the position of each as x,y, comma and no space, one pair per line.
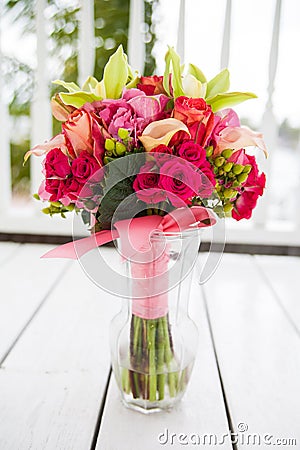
70,39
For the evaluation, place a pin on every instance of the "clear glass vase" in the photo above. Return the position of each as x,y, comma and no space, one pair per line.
153,339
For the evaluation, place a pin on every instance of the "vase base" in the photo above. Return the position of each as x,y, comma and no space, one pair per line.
148,407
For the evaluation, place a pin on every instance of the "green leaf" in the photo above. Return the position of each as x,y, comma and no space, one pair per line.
115,74
90,84
221,101
173,58
197,73
71,87
78,99
133,83
219,84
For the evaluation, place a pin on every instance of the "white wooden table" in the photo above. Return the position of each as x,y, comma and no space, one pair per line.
56,392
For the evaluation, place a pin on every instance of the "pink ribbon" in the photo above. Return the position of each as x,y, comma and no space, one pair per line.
138,231
148,261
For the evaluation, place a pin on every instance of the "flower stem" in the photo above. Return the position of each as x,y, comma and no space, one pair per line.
152,362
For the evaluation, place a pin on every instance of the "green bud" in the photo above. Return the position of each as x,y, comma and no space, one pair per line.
247,168
209,151
228,207
63,215
56,204
109,145
70,207
120,149
227,153
216,170
221,172
242,177
229,193
219,161
36,196
231,175
123,133
46,210
235,183
237,169
54,210
228,166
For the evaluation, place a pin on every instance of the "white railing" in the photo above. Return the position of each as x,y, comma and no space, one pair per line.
29,220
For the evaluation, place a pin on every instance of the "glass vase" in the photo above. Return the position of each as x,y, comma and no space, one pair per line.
153,339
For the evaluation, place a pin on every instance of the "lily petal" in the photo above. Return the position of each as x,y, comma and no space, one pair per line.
240,137
161,132
39,150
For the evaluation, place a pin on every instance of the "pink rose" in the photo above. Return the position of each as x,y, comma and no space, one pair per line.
84,167
223,119
56,164
72,188
161,154
146,184
78,132
197,115
244,205
192,152
180,179
255,181
55,188
251,189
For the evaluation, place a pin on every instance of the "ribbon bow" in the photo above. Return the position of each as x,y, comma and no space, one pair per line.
137,231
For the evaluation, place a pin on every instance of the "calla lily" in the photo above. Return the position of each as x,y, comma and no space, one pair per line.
161,132
240,137
60,111
193,87
39,150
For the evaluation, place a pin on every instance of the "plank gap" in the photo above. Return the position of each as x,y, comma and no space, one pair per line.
264,276
100,414
35,312
227,410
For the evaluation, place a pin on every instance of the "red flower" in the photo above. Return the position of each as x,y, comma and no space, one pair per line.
84,167
192,152
161,154
151,85
56,164
146,184
251,189
55,188
197,115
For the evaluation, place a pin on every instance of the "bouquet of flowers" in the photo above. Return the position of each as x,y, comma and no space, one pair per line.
178,145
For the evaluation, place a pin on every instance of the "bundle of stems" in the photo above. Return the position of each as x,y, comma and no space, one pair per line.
154,370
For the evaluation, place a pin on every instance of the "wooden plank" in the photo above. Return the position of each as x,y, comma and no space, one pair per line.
25,281
283,273
258,351
201,410
7,251
53,381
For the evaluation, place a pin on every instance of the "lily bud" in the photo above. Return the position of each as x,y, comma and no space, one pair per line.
242,177
219,161
120,149
123,133
237,169
109,145
247,168
227,153
56,204
229,193
209,151
228,207
228,166
46,210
